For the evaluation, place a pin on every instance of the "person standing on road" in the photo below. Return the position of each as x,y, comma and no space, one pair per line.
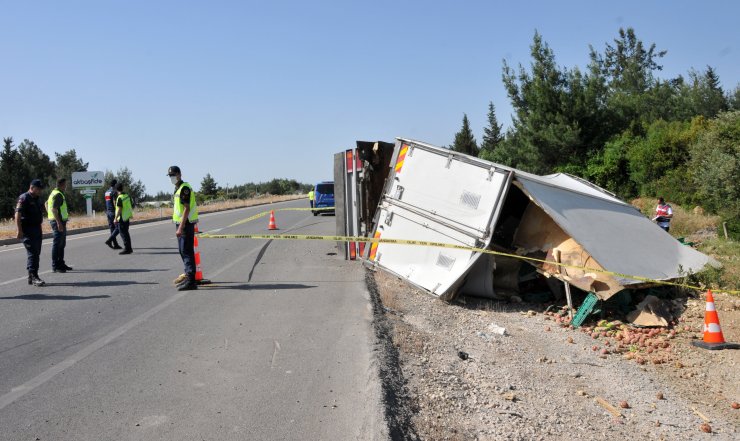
185,216
111,196
663,214
122,218
56,206
28,219
311,197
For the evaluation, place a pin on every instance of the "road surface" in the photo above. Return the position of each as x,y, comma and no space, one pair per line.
278,348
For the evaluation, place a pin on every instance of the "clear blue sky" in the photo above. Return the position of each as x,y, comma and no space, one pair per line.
252,90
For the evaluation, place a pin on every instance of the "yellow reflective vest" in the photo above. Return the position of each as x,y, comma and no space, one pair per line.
63,213
180,208
125,211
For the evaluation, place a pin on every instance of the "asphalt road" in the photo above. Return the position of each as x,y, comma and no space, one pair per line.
278,348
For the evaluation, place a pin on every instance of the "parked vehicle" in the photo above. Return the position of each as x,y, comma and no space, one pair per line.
323,197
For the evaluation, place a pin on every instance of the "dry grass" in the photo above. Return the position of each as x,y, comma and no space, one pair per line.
76,222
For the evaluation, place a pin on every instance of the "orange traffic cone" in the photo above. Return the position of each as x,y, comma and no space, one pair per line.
198,270
713,338
272,225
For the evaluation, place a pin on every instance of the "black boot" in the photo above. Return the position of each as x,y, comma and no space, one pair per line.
116,246
187,285
33,279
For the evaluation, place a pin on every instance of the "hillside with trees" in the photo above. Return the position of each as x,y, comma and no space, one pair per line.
621,126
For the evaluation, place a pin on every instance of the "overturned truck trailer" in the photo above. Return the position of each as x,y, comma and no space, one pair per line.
434,194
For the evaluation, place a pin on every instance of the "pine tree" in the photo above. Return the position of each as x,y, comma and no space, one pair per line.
208,186
464,139
11,183
492,136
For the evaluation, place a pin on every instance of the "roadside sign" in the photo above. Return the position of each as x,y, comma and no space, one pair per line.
94,179
88,191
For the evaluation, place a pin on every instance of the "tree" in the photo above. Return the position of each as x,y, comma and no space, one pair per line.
628,68
36,163
733,99
464,139
545,133
208,186
707,97
715,162
492,136
11,182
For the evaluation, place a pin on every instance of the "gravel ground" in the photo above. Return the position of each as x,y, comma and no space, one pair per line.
458,378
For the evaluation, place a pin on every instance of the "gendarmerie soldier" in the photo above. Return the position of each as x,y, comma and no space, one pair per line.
29,215
185,216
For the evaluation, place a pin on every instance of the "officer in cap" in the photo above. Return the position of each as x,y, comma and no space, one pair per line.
185,216
111,198
28,219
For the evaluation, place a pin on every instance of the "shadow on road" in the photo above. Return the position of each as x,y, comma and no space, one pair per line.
122,270
255,286
45,297
97,284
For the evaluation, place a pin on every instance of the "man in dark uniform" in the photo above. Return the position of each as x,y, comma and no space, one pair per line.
111,195
28,218
58,217
185,216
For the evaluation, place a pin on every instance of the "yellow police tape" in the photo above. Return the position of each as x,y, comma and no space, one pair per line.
444,245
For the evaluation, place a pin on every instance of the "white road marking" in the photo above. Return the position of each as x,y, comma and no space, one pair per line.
19,391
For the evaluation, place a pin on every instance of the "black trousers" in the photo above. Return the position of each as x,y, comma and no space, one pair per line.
58,245
186,245
123,228
32,238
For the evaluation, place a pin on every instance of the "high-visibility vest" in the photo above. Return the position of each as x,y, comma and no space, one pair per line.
662,210
180,209
63,213
310,195
125,212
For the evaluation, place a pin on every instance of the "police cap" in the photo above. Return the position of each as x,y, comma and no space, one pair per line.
173,170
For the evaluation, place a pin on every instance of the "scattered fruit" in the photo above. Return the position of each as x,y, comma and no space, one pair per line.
736,405
659,396
706,428
624,405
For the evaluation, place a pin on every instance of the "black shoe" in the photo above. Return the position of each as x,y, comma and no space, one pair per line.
126,251
110,244
188,285
67,268
60,269
117,247
34,279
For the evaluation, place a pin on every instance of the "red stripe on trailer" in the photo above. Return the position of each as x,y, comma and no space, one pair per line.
362,248
352,251
349,161
358,162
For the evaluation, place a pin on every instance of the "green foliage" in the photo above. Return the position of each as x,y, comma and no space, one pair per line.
715,162
464,139
208,186
492,136
36,164
12,184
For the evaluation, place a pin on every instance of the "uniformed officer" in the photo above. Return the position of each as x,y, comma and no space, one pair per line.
28,219
311,197
185,216
56,206
124,213
111,196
